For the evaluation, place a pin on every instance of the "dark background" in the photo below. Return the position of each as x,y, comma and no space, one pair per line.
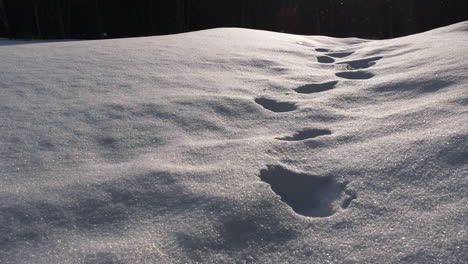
92,19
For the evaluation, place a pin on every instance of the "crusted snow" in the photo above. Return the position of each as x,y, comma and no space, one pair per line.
235,146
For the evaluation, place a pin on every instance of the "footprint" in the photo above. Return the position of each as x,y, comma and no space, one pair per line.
306,134
316,87
361,64
101,257
322,50
355,75
325,59
276,106
308,195
107,141
340,54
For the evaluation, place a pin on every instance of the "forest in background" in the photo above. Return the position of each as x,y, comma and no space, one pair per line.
94,19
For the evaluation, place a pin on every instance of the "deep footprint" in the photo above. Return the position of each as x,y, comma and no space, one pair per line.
276,106
322,50
361,64
316,87
355,75
307,195
325,59
306,134
339,54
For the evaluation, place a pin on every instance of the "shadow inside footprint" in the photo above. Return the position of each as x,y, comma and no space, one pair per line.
308,195
306,134
361,64
322,50
325,59
340,54
355,75
276,106
316,87
102,258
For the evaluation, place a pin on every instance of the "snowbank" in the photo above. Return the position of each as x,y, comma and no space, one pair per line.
235,146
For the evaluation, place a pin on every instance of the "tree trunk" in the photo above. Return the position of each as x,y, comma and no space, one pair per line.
60,16
181,15
317,22
188,13
99,19
331,16
151,14
67,21
36,19
390,20
243,13
4,18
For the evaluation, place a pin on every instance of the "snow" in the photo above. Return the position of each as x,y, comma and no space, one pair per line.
235,146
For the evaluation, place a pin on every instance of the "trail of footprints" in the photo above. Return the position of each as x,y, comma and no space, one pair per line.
310,195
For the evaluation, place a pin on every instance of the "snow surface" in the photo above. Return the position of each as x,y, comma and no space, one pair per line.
235,146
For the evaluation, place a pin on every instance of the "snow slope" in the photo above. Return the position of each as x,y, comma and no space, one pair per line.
235,146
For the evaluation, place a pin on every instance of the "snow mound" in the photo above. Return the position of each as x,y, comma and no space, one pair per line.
235,146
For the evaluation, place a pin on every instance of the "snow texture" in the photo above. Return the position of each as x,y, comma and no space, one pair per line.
235,146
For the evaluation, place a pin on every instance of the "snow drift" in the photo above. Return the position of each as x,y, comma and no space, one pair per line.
235,146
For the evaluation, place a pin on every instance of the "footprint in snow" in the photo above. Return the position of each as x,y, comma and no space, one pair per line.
306,134
325,59
361,64
322,50
308,195
276,106
316,87
340,54
355,75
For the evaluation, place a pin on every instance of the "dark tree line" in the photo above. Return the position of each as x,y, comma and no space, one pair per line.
90,19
